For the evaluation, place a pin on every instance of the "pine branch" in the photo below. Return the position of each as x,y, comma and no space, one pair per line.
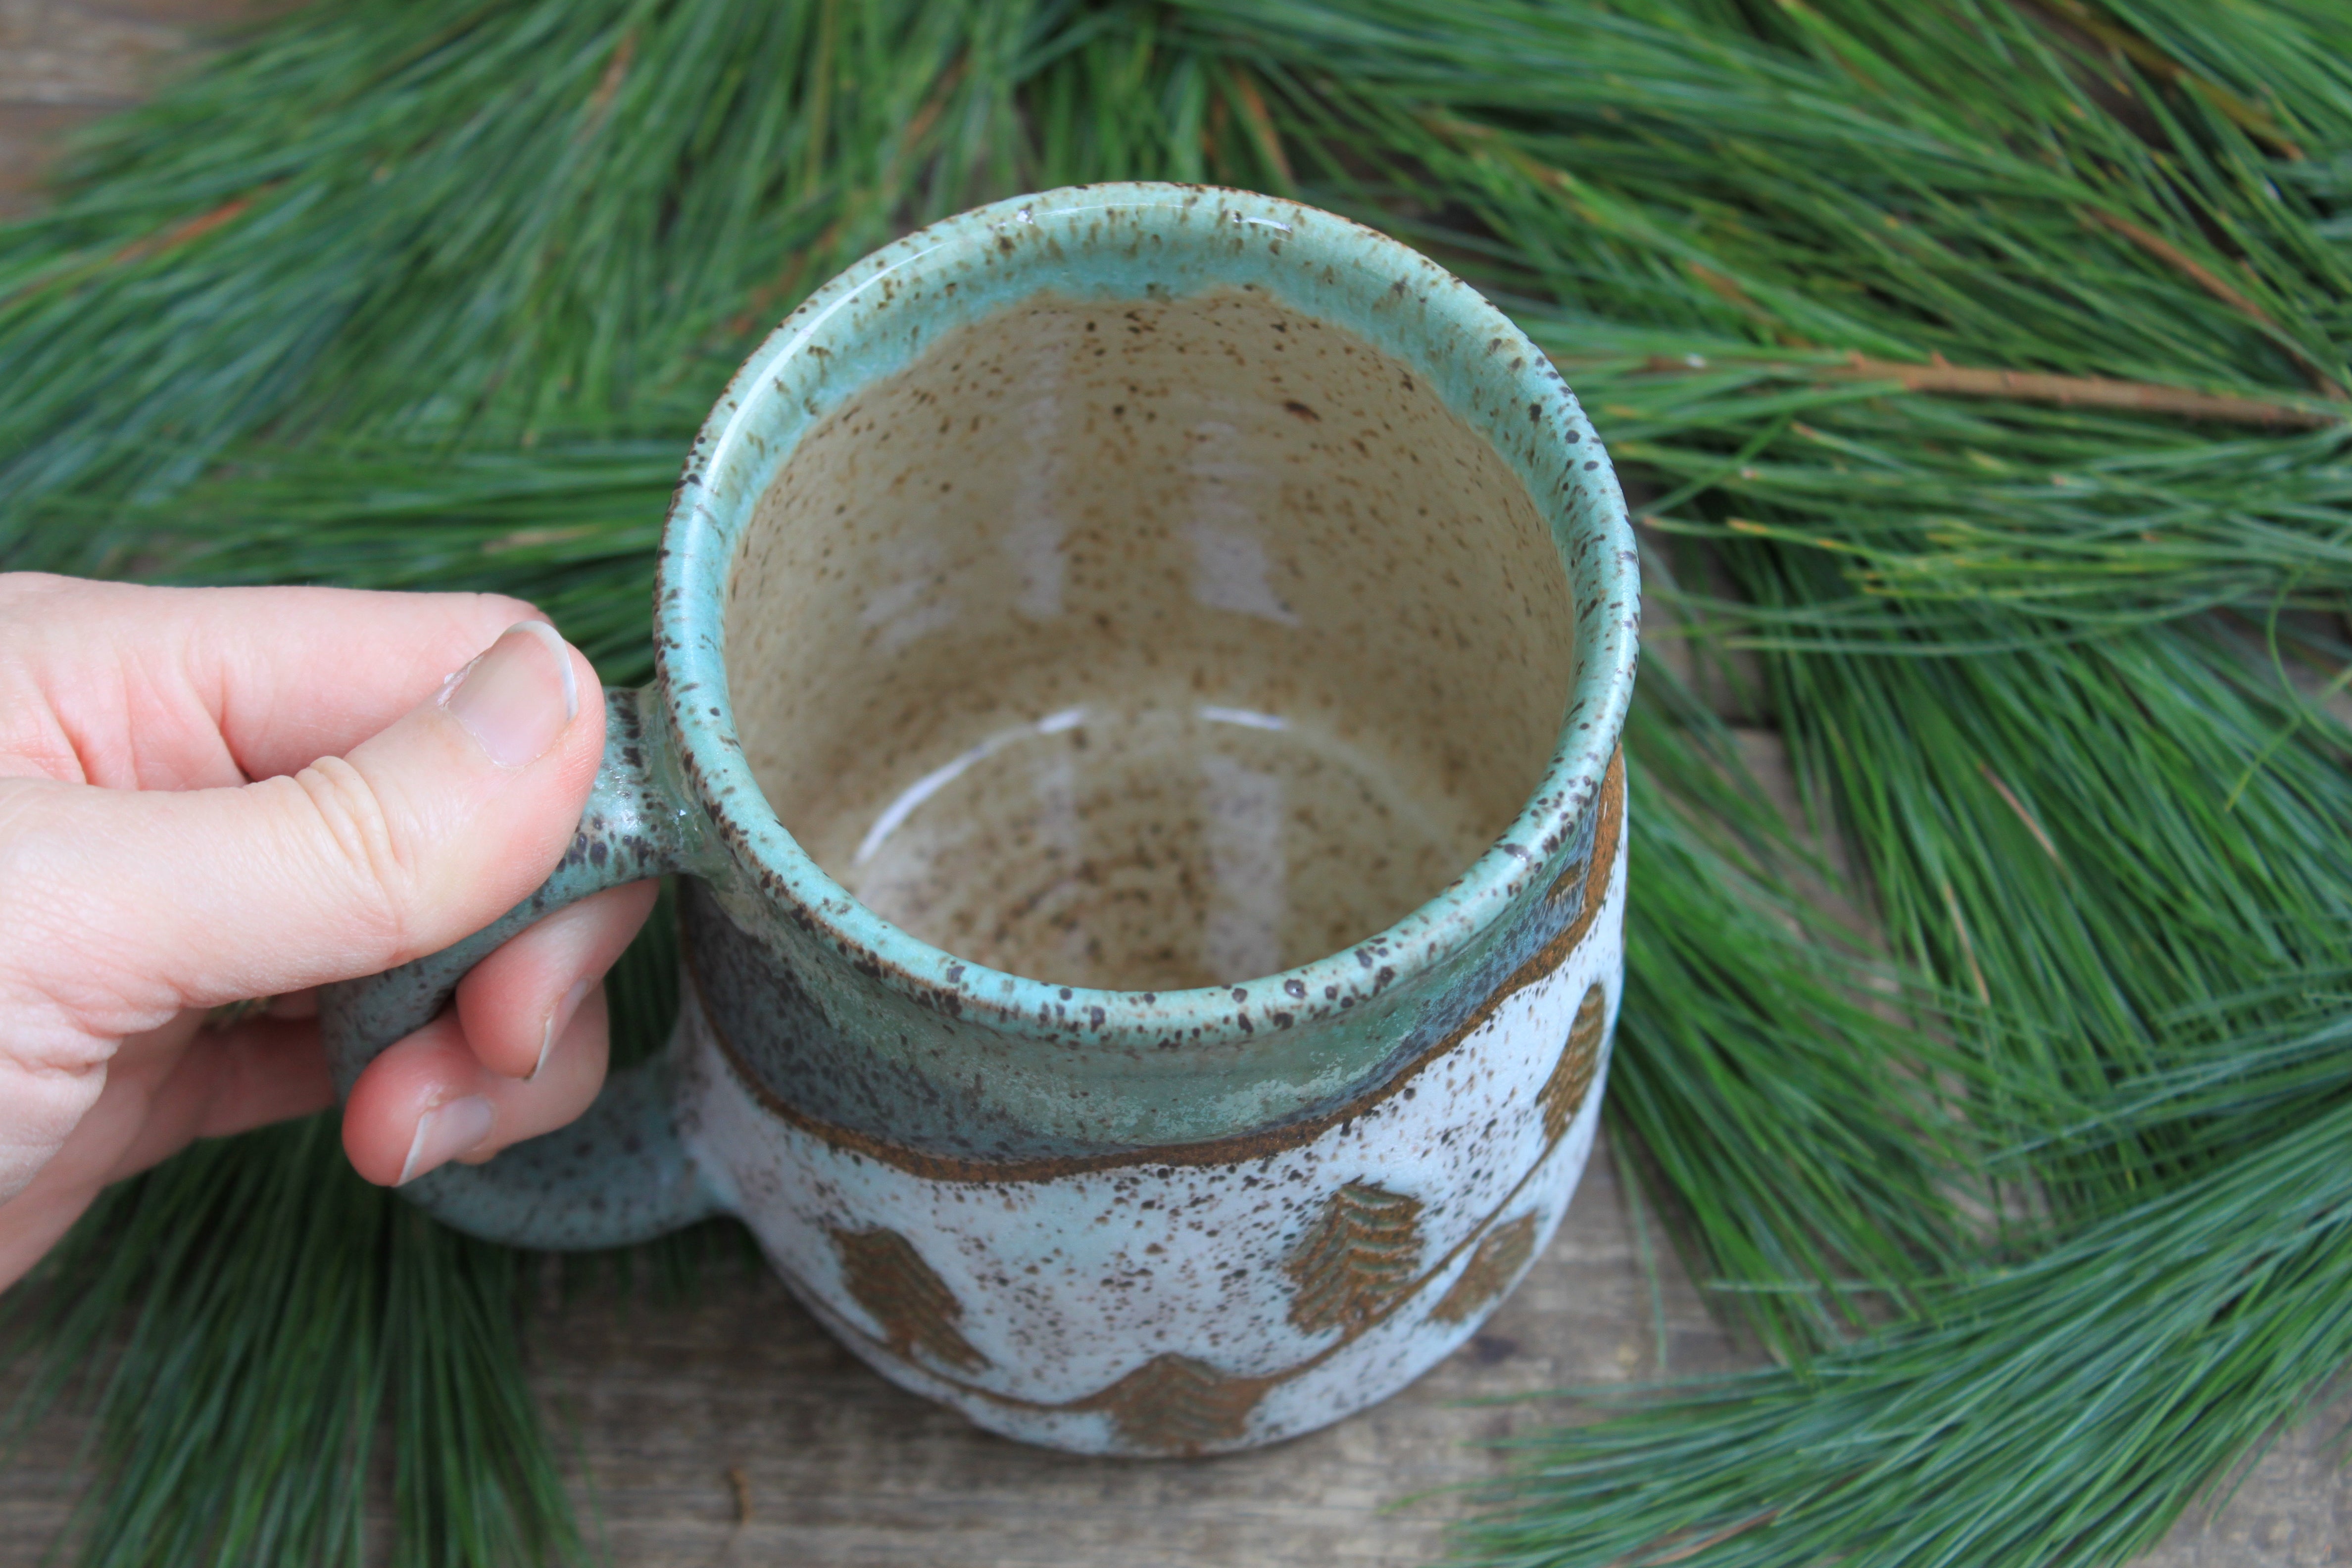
2065,1412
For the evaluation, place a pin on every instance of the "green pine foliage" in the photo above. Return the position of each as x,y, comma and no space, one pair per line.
2030,1187
2064,1410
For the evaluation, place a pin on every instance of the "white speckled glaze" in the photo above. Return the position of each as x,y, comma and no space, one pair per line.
1066,1285
1139,671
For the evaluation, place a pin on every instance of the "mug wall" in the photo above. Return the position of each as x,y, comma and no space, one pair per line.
1146,643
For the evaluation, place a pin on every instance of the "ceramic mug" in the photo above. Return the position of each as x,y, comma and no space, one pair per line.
1138,677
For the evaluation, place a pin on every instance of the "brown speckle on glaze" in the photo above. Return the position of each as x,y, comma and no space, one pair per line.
1229,645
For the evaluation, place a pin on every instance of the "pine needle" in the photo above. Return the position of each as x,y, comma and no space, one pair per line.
2064,1411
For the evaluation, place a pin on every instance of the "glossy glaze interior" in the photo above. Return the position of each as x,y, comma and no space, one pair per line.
1147,645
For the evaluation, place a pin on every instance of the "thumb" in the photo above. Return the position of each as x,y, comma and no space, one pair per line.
420,836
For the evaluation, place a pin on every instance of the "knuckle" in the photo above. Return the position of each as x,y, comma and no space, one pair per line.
362,835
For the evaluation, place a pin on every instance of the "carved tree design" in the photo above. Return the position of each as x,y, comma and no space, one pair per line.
912,1303
1361,1250
1592,876
1563,1092
1179,1405
1502,1252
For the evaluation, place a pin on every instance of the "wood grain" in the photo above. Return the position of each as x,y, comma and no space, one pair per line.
841,1469
734,1430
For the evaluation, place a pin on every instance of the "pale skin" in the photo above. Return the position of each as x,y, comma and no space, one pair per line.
208,795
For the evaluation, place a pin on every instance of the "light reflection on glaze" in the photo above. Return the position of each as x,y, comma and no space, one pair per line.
1145,843
1244,717
938,778
1318,634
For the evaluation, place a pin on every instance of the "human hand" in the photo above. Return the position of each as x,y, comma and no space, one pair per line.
219,793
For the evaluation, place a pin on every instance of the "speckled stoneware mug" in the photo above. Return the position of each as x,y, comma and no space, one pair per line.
1139,677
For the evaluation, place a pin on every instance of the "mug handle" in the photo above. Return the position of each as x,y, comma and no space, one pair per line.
620,1174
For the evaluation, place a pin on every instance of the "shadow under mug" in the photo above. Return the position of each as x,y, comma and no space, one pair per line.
1188,636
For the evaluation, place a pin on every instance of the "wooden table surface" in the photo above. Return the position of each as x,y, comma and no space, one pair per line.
733,1431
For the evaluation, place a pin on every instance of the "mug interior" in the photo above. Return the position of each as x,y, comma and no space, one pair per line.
1143,644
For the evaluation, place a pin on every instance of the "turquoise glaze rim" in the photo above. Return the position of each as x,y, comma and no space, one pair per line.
1144,240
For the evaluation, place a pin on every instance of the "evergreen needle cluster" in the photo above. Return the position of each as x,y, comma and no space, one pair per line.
1981,370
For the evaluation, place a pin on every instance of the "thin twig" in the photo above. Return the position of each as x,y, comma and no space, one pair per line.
141,249
1261,124
769,295
203,223
1727,291
2205,278
935,105
2172,256
1694,1548
740,1485
1967,947
2082,391
2025,386
2023,815
2149,57
608,86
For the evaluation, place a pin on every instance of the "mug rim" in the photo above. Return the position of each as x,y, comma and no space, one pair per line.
1585,507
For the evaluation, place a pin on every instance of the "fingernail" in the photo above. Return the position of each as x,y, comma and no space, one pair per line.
556,1022
517,697
445,1132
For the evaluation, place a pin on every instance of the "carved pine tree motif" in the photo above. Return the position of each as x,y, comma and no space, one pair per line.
1501,1253
1179,1405
1563,1092
912,1303
1362,1249
1592,876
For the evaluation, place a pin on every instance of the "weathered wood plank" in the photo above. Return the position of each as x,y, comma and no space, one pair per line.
840,1467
